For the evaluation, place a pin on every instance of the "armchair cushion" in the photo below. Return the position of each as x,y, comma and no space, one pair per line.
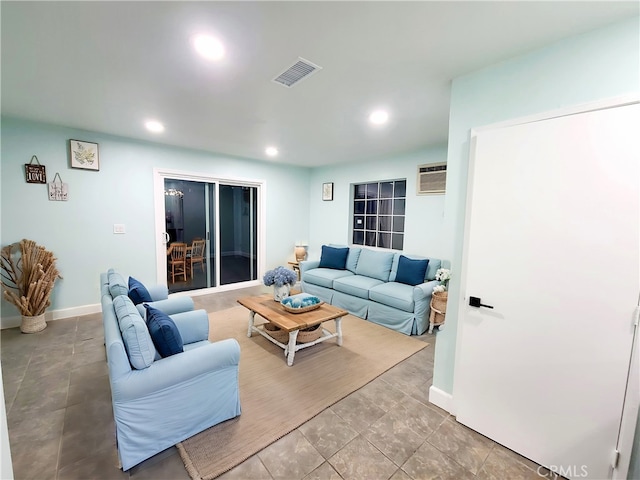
135,334
117,285
170,306
193,326
158,292
164,332
332,257
138,293
411,272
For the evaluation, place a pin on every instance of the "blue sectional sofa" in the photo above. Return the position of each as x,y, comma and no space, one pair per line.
382,286
158,402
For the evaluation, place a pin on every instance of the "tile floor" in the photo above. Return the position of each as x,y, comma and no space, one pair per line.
61,424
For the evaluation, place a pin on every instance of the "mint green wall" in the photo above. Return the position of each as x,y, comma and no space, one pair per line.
585,68
80,230
330,220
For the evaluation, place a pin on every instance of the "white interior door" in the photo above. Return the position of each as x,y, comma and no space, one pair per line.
552,244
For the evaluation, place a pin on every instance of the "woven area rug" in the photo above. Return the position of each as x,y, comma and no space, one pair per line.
277,399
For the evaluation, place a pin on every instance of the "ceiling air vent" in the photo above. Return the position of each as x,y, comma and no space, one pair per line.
296,72
432,178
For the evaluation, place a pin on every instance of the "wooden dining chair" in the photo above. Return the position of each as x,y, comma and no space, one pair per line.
196,255
178,260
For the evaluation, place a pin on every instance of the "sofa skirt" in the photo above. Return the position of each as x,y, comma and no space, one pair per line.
323,293
354,305
394,319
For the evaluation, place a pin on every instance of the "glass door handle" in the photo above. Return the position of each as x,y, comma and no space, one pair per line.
166,237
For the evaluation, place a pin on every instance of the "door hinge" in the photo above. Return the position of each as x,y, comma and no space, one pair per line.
636,316
614,458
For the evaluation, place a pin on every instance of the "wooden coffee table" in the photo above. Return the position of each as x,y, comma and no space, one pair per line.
274,312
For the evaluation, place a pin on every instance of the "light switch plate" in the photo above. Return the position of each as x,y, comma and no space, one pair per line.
118,228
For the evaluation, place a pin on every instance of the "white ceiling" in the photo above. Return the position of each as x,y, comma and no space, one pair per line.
109,66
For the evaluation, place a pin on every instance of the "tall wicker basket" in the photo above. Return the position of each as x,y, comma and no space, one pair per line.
438,309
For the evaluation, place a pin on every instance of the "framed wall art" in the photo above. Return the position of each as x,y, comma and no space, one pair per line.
84,155
327,191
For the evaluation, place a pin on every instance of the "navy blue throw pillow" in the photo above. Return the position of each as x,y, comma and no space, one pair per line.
333,257
411,271
164,333
138,293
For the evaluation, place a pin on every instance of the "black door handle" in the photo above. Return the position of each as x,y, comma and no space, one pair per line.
476,302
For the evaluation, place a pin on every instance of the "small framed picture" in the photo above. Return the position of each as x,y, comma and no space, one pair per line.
327,191
84,155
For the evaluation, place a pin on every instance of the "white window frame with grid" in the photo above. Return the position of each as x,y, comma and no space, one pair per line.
378,211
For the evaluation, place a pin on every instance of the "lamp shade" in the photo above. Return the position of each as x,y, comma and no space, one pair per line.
301,253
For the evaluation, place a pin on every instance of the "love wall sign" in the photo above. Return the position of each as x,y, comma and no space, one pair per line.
35,172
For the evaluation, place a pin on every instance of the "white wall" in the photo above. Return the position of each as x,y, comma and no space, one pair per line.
580,69
601,64
330,220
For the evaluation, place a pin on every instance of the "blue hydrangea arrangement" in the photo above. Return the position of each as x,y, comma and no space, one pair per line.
280,276
301,300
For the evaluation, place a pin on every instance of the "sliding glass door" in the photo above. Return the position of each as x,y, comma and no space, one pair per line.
238,234
218,225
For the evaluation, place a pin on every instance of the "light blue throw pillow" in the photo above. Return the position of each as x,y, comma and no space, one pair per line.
135,334
434,265
352,259
117,285
375,264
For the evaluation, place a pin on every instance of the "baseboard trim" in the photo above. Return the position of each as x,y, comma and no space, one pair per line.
441,399
14,321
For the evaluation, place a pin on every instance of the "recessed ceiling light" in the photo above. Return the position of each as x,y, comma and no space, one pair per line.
379,117
271,151
154,126
209,47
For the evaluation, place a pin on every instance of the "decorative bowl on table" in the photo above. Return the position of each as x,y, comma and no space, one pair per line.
300,303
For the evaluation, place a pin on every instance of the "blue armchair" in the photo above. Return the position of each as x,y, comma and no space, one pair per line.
158,402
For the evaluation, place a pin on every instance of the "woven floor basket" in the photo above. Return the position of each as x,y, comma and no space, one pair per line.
438,308
283,337
32,324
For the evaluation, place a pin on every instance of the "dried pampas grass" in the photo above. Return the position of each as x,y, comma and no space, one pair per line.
28,273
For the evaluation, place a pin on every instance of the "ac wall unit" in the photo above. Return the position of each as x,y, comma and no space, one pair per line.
432,178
